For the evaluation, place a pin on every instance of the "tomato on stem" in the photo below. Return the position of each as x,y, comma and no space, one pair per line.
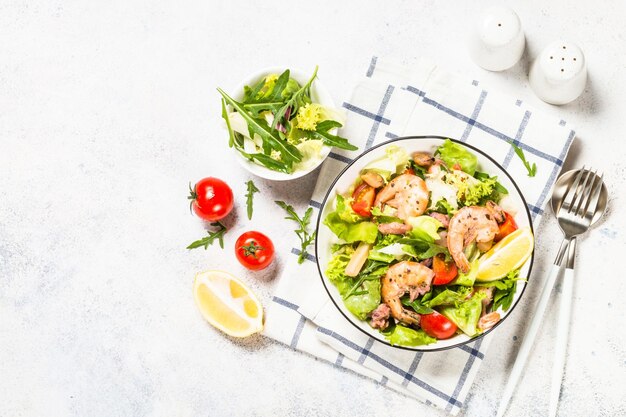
211,199
254,250
363,199
444,271
437,325
507,227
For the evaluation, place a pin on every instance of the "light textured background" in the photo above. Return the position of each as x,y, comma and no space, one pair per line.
109,109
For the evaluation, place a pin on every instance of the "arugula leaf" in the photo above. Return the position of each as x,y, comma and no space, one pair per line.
417,306
257,108
249,195
289,153
281,83
210,239
321,132
231,134
532,170
305,238
299,98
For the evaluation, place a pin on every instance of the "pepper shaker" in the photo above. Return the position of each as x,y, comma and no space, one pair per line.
559,74
497,40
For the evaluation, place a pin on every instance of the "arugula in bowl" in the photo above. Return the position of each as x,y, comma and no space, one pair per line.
277,124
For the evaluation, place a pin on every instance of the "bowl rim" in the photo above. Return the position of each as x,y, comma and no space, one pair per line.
319,223
317,86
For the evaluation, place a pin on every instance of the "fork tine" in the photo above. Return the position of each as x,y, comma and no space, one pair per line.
585,192
595,197
570,193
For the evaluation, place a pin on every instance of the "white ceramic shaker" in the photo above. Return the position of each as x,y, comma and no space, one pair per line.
497,40
559,74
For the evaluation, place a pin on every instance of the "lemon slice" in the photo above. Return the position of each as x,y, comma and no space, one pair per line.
227,303
508,254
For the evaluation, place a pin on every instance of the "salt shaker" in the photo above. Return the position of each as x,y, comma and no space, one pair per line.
559,74
497,40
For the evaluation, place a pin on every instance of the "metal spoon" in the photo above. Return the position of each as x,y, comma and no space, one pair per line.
567,285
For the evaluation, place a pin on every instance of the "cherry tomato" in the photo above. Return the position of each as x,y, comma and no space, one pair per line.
437,325
211,199
254,250
506,228
363,197
444,271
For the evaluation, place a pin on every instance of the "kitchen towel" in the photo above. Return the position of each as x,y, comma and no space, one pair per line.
392,101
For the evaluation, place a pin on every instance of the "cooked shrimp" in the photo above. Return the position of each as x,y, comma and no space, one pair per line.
472,224
401,278
408,192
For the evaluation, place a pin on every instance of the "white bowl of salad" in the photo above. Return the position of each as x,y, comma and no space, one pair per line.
424,243
282,123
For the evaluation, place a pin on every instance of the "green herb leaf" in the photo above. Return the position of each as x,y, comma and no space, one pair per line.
321,132
289,153
417,306
532,169
299,98
305,238
249,196
210,239
231,134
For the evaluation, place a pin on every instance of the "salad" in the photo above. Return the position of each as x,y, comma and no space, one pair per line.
424,249
277,125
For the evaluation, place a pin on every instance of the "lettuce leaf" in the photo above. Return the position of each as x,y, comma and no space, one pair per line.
367,297
466,314
467,279
347,225
395,159
448,296
453,153
424,228
399,335
365,300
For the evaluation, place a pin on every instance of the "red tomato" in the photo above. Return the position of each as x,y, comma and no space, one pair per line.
444,271
211,199
409,171
254,250
456,166
437,325
506,228
363,197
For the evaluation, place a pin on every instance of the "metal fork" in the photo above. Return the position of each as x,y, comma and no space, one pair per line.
574,215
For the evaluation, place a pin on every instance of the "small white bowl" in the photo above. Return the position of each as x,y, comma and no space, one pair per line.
319,94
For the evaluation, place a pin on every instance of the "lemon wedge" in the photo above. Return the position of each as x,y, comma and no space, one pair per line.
227,303
508,254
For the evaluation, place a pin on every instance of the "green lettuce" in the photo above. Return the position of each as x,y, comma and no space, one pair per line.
399,335
467,279
424,228
365,300
367,295
346,224
395,159
448,296
466,314
453,153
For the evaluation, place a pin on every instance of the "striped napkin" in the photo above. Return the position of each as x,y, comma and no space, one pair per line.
397,101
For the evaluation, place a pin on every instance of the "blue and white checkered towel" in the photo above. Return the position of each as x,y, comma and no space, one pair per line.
398,101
